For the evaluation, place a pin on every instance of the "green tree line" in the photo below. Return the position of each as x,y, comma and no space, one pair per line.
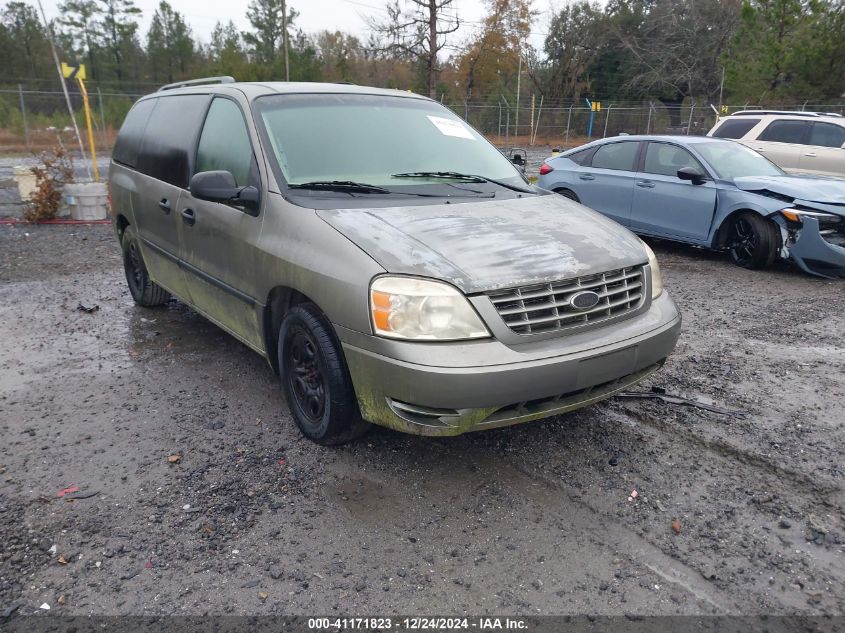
669,51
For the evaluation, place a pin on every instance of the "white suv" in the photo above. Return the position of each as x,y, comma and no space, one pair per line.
799,142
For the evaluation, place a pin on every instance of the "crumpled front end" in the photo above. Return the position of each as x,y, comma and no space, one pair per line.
816,244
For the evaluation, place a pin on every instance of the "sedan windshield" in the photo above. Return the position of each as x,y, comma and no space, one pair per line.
398,143
734,160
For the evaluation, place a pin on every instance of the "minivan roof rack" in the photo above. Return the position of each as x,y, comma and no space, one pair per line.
198,82
788,112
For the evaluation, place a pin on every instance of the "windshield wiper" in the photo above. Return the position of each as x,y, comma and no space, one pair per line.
344,186
454,175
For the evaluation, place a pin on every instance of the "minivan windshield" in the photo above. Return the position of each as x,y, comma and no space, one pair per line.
355,142
734,160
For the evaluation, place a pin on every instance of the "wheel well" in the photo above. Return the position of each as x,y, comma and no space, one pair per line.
280,300
121,222
722,231
560,190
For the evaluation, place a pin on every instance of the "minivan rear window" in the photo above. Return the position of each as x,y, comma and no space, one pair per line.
131,133
170,138
735,128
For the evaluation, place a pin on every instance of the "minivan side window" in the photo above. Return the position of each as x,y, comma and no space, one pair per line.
735,128
224,142
171,134
786,131
665,159
616,156
128,142
827,135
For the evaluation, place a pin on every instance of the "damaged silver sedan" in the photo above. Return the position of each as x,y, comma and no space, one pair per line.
709,192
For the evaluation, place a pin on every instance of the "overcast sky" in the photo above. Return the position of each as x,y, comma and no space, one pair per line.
314,15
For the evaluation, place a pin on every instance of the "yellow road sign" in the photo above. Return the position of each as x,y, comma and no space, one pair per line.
73,72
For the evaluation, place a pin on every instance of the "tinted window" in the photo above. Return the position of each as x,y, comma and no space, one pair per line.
582,157
666,160
735,128
131,132
827,135
224,143
170,138
786,132
616,156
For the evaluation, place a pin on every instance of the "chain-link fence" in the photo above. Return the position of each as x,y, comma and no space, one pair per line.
30,119
568,124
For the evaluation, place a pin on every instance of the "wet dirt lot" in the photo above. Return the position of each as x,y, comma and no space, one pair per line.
253,519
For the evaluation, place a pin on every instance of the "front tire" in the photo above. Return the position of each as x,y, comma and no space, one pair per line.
752,240
315,378
144,290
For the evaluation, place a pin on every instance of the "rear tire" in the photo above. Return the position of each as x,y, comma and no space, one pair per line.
567,193
752,240
144,290
315,379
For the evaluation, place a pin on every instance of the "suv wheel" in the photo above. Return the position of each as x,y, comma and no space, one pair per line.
752,240
144,290
315,379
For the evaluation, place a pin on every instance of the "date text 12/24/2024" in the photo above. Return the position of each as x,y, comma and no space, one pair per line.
417,624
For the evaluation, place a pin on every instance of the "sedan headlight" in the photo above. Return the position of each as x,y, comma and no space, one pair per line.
656,279
798,215
421,309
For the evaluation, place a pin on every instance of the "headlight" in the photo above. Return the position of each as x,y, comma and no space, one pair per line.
656,279
420,309
798,215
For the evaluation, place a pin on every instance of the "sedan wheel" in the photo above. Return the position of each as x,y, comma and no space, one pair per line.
752,240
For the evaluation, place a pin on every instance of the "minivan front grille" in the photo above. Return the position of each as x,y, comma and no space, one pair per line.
548,307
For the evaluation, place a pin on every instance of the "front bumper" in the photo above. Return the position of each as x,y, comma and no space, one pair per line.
453,388
815,254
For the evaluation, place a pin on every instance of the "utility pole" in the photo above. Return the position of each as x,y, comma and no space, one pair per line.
516,114
49,28
23,115
285,38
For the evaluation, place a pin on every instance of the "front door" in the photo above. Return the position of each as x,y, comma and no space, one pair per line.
665,205
825,153
219,243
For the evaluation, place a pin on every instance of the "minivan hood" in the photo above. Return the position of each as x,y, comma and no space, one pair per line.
811,189
491,244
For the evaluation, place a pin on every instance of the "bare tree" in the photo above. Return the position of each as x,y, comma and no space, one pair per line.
676,46
418,29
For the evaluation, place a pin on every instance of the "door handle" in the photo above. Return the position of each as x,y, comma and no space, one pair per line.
188,217
645,184
164,205
810,154
586,177
759,149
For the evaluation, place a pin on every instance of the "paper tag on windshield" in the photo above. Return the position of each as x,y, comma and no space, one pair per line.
450,127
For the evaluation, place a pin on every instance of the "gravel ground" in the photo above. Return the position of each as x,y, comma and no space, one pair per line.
198,495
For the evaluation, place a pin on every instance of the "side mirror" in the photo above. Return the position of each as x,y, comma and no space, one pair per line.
220,186
517,159
691,174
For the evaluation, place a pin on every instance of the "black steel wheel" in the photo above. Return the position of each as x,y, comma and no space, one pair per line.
315,379
144,290
752,240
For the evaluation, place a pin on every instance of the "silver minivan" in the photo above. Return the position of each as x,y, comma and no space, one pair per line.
390,263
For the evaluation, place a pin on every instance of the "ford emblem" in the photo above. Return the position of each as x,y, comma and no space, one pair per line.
584,300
